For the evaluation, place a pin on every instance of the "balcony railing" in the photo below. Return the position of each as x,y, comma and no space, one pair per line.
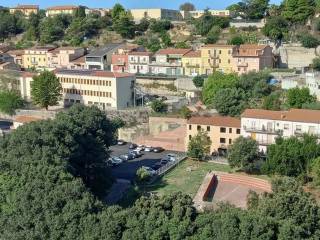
190,65
300,133
242,64
263,130
119,63
166,64
214,56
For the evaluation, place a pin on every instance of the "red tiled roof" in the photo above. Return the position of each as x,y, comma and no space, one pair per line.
193,54
26,119
218,46
66,7
16,52
27,74
26,7
216,121
177,51
249,50
293,115
81,59
141,53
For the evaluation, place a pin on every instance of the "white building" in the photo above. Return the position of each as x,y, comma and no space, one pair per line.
25,80
265,126
101,88
313,83
169,61
139,62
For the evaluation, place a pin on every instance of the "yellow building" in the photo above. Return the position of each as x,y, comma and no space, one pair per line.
216,58
156,13
36,57
221,130
191,63
27,10
69,9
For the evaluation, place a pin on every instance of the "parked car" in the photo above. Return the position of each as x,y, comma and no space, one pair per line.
164,161
136,153
133,146
171,157
126,157
150,170
121,142
140,148
156,166
114,161
158,149
148,149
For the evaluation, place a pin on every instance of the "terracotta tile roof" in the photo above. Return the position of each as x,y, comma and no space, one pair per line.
27,7
42,48
16,52
178,51
218,46
27,74
141,53
249,50
26,119
66,7
293,115
193,54
216,120
253,46
81,59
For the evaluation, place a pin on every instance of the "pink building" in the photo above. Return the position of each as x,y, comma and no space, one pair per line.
139,62
120,59
252,57
63,56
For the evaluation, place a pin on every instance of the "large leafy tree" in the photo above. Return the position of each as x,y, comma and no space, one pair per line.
276,28
215,82
292,156
244,154
9,102
199,146
124,25
46,89
187,7
255,9
296,97
298,11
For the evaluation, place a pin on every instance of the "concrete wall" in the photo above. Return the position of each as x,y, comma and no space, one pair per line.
161,124
130,134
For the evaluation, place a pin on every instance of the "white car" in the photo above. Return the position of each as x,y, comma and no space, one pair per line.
148,149
171,157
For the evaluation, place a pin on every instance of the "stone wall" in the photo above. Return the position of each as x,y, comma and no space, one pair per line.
161,124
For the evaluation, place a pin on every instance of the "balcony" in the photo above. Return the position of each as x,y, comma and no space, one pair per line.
166,64
214,64
242,64
263,130
214,56
119,63
300,133
190,65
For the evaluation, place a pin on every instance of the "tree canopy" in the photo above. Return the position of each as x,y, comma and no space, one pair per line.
10,101
187,7
296,97
199,146
298,11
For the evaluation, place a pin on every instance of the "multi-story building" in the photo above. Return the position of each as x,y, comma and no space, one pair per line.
100,11
119,59
265,126
17,56
313,83
169,61
217,58
100,58
36,57
252,57
78,63
27,10
200,13
221,130
139,62
156,13
101,88
63,56
25,80
191,63
56,10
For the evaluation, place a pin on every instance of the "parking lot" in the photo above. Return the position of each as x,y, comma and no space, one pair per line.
127,170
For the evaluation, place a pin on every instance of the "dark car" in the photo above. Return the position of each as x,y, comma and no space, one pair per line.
164,161
158,149
157,165
133,146
136,154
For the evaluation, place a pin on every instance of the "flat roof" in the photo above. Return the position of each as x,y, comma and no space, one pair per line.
292,115
100,52
93,73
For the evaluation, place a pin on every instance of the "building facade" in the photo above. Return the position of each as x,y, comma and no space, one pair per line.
103,89
221,130
56,10
120,59
252,58
139,62
199,13
191,63
156,13
63,56
265,126
313,83
27,10
168,62
217,58
36,57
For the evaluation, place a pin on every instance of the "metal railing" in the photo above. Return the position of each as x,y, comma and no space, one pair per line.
263,130
170,165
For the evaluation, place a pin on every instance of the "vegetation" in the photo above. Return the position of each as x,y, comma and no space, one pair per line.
298,11
251,9
273,101
142,175
159,106
206,22
296,97
316,63
309,41
276,28
244,154
199,146
9,102
46,89
187,7
236,40
185,112
198,81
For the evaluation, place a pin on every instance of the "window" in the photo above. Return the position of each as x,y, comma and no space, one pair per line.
238,131
219,51
298,128
230,130
223,130
229,61
198,127
230,141
222,140
208,128
286,126
190,137
190,127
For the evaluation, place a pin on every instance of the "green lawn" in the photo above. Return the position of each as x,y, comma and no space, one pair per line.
186,177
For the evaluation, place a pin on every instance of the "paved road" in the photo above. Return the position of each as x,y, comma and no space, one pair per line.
128,169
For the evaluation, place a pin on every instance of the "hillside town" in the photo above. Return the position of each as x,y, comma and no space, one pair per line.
160,123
